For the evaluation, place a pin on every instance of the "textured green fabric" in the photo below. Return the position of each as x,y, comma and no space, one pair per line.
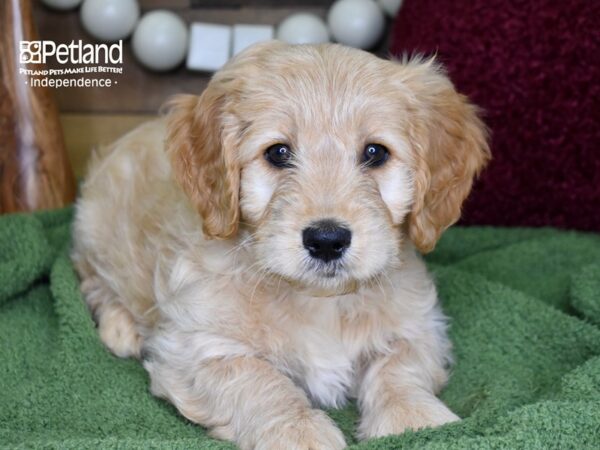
524,307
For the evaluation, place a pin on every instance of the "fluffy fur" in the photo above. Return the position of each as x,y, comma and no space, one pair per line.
189,244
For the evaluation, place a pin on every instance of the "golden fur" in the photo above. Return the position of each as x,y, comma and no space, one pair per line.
188,244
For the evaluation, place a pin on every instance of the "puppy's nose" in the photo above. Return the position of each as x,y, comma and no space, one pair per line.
326,240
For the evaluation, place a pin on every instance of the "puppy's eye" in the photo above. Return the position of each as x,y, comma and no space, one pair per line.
375,155
279,155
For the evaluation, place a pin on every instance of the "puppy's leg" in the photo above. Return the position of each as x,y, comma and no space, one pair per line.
245,400
116,325
398,392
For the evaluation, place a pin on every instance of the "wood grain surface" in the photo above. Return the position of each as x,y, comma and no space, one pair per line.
34,168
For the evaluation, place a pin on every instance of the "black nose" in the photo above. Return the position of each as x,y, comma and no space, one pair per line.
326,240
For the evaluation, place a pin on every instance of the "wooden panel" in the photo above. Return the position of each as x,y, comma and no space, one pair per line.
179,4
167,4
259,3
268,16
84,132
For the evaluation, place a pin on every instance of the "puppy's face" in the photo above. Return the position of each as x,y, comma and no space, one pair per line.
325,170
329,156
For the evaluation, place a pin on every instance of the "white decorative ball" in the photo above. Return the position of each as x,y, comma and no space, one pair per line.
357,23
303,28
160,40
391,7
109,20
62,4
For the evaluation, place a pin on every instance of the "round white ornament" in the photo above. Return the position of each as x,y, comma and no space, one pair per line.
109,20
303,28
160,40
391,7
62,4
357,23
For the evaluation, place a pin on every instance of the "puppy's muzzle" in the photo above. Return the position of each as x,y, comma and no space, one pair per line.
326,240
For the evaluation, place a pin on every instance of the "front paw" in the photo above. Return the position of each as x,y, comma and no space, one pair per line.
403,416
312,430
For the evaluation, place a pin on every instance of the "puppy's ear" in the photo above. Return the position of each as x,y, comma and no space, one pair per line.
203,165
202,138
450,148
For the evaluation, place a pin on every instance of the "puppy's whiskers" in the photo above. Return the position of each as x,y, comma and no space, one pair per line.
263,272
390,283
377,279
242,245
249,269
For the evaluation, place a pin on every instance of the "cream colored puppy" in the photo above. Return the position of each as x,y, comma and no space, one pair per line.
258,247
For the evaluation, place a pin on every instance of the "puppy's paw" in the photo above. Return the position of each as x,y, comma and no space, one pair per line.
312,431
118,331
402,417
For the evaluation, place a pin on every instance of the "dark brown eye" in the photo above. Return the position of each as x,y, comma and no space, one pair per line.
375,155
279,155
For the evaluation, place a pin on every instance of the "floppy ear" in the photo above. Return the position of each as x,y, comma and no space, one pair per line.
449,142
202,138
203,165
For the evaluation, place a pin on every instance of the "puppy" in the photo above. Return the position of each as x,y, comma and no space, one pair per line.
259,246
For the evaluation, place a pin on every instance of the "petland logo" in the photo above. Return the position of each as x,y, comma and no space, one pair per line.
89,60
38,52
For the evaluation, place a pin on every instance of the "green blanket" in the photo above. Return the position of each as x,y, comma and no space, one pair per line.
525,319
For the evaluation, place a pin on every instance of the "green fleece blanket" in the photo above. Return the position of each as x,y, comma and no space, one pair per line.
525,320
